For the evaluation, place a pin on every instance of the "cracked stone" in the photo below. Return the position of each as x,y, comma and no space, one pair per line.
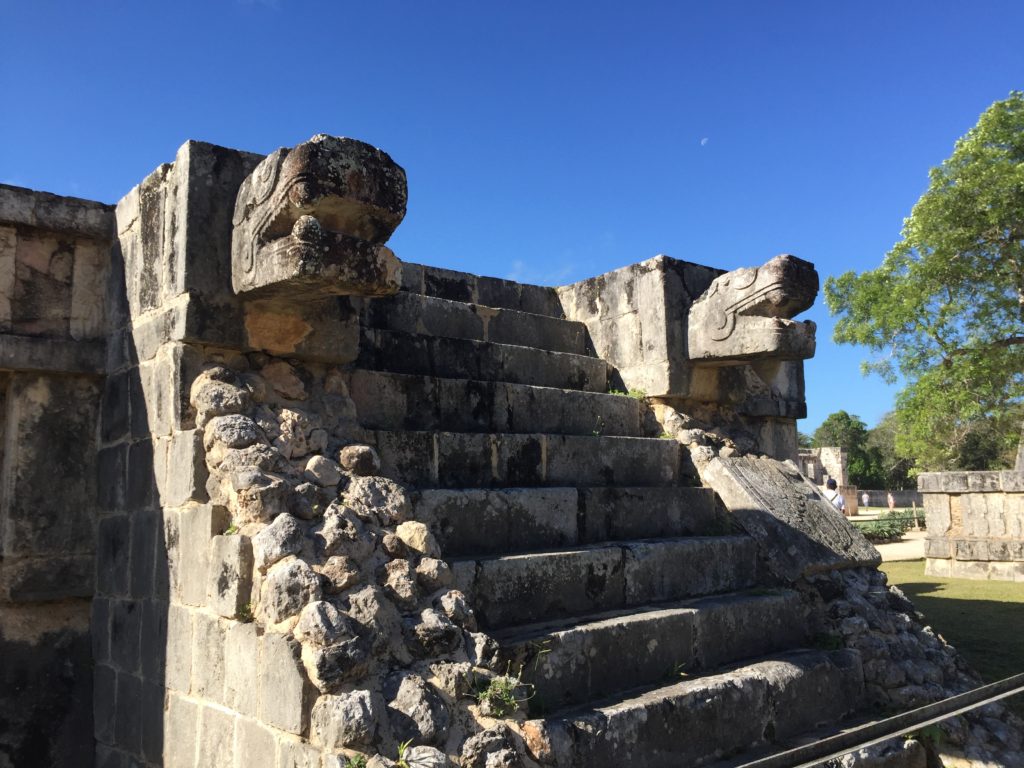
281,538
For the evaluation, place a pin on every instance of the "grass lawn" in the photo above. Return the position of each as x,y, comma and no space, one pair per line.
984,620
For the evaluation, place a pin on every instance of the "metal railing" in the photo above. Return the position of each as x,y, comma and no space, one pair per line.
913,523
891,727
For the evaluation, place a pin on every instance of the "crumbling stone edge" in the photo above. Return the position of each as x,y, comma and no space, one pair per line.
906,664
317,555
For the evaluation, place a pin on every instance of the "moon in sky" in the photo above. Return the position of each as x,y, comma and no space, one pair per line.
704,141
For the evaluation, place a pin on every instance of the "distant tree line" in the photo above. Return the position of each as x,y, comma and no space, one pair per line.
872,460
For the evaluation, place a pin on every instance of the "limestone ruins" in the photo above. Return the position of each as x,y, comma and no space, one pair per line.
273,498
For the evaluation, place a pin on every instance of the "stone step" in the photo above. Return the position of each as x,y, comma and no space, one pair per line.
473,289
507,520
395,401
432,316
571,664
400,352
487,460
697,721
542,586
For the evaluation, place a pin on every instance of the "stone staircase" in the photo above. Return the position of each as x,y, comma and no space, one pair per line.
612,582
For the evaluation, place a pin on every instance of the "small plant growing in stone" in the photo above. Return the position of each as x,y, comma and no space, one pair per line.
403,748
501,696
636,394
541,649
930,736
245,614
826,641
232,530
677,670
359,761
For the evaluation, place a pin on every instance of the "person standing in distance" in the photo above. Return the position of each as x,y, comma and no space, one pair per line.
833,495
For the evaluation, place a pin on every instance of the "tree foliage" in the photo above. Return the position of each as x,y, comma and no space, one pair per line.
946,308
871,457
848,432
890,467
841,429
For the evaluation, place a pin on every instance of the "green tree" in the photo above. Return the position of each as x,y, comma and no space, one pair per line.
945,310
850,433
847,431
891,468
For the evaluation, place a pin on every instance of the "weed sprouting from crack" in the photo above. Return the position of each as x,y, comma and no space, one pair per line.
403,748
636,394
540,650
501,694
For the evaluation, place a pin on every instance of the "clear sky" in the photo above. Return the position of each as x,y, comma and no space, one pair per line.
544,141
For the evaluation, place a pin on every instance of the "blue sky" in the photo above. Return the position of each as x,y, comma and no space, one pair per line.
543,141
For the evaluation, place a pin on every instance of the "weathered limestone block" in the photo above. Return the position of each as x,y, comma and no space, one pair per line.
400,583
56,213
745,314
50,424
181,719
286,589
186,476
216,736
348,720
215,393
255,746
359,459
340,573
432,634
415,710
326,329
285,693
332,667
208,646
936,513
975,523
323,471
378,498
230,587
379,619
295,753
417,536
798,530
313,220
241,668
648,301
281,538
188,543
494,747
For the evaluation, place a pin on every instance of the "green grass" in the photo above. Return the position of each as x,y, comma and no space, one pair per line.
984,620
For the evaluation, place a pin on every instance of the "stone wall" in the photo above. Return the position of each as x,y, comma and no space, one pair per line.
820,464
186,674
53,268
904,498
638,320
202,559
975,524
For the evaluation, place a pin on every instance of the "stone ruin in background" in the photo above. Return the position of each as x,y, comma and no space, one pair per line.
273,498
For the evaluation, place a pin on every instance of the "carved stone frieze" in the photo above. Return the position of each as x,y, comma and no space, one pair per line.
745,314
799,531
312,221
